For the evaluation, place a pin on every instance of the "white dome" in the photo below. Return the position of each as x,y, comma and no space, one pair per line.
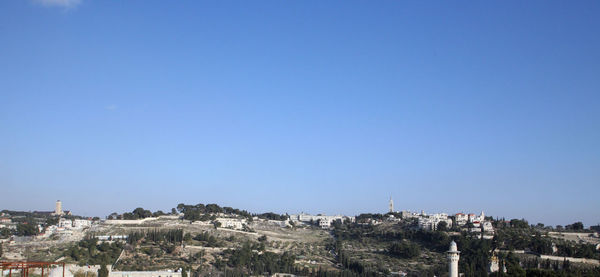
453,247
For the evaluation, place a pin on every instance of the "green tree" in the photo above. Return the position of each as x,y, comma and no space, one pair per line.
519,223
515,270
577,226
26,229
141,213
158,213
51,221
405,250
5,233
103,271
442,226
470,225
181,207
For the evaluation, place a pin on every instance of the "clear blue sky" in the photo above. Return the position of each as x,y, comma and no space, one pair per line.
289,106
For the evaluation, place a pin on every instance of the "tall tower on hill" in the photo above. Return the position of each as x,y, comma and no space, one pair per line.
453,256
58,208
391,205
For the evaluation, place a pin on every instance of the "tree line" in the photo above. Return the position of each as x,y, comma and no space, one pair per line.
156,236
88,251
201,212
251,259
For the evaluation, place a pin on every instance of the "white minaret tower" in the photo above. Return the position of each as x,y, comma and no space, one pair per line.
391,205
58,208
453,256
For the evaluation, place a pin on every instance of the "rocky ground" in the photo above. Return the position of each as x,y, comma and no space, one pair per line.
308,243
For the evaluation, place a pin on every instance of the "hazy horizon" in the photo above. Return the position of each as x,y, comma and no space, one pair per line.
321,107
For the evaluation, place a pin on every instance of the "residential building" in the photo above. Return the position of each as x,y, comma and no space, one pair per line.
431,222
65,223
232,223
324,223
326,219
81,223
460,219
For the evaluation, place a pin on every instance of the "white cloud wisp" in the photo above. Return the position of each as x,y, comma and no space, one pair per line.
67,4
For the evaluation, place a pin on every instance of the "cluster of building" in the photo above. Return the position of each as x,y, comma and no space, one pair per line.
476,223
39,219
324,221
6,222
64,226
472,222
433,221
74,224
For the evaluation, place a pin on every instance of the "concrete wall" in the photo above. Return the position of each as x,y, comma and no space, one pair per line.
570,259
123,221
71,268
144,274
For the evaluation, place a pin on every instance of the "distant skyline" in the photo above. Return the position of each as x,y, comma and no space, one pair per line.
168,210
321,107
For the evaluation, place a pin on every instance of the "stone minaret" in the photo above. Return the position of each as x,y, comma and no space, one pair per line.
391,205
453,256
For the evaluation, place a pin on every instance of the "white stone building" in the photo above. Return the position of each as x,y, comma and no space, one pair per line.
460,219
232,223
324,223
408,214
488,227
81,223
474,217
478,222
65,223
112,238
323,220
430,222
